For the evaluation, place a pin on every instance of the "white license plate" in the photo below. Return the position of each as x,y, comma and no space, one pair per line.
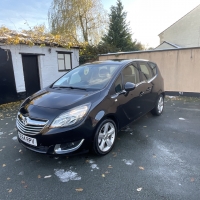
28,140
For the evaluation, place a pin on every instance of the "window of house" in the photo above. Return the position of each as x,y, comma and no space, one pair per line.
64,61
146,70
131,74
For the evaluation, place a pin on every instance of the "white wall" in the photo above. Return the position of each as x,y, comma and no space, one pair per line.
185,32
48,63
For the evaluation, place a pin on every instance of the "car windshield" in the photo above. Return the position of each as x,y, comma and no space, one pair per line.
92,76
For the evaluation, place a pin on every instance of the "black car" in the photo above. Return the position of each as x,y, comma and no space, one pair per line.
86,107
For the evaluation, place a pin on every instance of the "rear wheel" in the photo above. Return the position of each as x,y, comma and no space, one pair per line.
159,106
105,137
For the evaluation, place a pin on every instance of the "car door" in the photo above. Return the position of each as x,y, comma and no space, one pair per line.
146,75
129,103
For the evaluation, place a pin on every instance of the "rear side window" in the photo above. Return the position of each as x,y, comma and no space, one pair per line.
146,70
153,68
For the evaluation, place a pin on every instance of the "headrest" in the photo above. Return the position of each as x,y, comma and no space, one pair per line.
127,71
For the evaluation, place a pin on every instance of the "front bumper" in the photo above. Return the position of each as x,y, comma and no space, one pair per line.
59,141
63,140
56,149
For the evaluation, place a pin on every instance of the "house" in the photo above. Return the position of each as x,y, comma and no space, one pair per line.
183,33
25,69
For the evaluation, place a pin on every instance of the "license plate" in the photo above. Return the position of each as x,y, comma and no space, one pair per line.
28,140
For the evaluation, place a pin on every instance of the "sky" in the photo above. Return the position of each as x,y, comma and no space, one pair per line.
147,18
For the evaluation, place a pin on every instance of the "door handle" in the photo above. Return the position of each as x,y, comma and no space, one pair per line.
141,93
148,89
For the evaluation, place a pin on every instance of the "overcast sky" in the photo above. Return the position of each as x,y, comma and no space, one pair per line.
147,17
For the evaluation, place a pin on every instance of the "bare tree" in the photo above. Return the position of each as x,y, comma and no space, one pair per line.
85,20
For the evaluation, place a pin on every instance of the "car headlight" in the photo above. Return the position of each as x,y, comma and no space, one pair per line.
71,117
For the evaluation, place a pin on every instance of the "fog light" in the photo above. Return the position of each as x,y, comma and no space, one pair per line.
67,147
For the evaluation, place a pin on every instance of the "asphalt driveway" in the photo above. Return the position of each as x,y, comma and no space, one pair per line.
154,158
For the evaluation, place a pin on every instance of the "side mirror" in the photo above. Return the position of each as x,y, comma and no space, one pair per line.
129,86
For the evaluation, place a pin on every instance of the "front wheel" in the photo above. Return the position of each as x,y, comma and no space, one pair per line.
105,136
159,106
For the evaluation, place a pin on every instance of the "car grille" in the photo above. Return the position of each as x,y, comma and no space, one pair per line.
29,126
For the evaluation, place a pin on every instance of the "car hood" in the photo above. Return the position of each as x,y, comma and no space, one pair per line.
60,99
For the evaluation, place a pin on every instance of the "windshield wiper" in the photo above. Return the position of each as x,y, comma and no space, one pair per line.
69,87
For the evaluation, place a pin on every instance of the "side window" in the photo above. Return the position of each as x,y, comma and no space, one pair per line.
131,74
153,67
118,84
145,69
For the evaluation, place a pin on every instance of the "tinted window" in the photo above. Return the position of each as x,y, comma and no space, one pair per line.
131,74
146,70
118,84
88,76
153,67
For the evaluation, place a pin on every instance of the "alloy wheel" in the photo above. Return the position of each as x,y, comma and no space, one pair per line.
106,137
160,104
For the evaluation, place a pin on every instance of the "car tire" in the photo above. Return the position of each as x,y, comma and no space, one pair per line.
105,137
158,109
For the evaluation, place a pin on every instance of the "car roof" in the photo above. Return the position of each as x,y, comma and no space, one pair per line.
116,61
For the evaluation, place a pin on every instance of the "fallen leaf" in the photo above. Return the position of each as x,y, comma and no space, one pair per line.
8,178
79,189
139,189
142,168
144,126
39,176
110,167
49,176
20,150
22,182
10,190
21,173
107,172
3,165
192,179
25,186
103,175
